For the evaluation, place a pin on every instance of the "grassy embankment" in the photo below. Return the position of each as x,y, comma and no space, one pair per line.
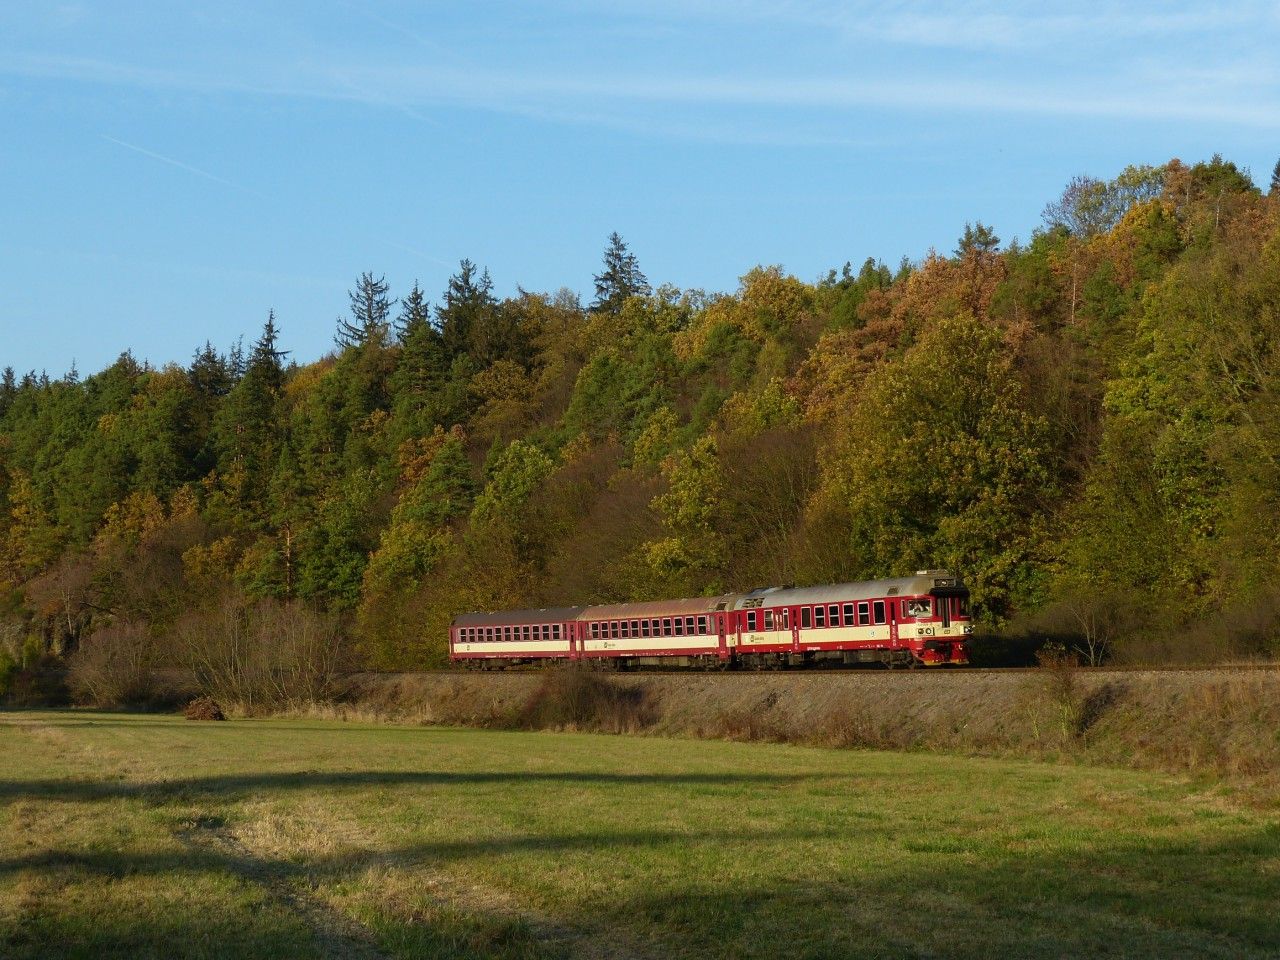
128,836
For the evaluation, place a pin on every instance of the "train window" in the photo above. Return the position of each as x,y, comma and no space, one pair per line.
819,616
917,608
786,618
879,610
595,630
702,624
751,619
635,628
848,615
833,615
666,626
626,629
768,619
962,606
555,631
644,628
864,613
806,617
679,626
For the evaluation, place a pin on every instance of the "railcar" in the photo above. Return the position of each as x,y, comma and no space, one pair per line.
907,621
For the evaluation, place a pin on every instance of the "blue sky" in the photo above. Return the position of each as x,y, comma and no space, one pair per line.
171,171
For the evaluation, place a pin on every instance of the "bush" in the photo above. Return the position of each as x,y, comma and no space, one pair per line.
580,698
41,683
204,708
262,655
114,667
8,669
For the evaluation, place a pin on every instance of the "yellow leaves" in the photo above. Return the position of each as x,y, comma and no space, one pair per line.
414,455
656,438
505,392
208,567
768,306
130,521
747,413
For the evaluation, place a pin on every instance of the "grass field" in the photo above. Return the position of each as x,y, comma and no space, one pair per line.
148,836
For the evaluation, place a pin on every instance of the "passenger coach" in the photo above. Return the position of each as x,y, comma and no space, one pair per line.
906,621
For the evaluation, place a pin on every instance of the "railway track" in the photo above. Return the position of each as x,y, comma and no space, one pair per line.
859,670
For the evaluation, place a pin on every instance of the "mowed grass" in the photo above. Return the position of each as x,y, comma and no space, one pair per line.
147,836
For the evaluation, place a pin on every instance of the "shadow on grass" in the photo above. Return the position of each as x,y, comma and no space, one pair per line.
1137,898
68,789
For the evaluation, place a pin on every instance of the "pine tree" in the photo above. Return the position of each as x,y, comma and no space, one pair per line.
467,302
247,428
1275,179
265,361
422,359
620,279
370,310
977,238
210,373
8,390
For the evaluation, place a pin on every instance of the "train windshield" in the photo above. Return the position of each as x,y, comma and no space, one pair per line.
922,607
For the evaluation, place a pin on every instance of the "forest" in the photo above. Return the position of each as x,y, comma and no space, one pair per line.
1085,426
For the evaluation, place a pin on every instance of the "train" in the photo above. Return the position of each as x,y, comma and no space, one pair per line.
918,620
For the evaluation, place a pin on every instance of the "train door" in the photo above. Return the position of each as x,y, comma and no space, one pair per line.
893,623
793,615
944,604
722,639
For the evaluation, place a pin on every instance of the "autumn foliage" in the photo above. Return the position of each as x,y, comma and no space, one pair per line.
1086,426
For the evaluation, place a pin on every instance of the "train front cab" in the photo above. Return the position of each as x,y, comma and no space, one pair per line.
936,627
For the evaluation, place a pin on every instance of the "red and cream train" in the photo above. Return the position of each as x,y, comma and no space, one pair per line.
923,619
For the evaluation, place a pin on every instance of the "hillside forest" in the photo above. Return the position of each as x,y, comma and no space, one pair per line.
1084,425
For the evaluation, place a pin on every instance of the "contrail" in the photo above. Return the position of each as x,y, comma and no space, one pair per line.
176,163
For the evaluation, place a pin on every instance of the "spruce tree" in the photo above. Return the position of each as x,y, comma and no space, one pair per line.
370,312
1275,179
467,302
422,365
620,279
247,428
8,390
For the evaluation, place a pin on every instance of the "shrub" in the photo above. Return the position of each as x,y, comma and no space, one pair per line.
204,708
8,669
42,682
264,654
114,667
580,698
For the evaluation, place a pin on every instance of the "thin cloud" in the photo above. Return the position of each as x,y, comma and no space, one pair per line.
1220,94
172,162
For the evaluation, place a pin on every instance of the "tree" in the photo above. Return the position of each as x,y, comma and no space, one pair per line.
1089,206
247,428
370,309
944,465
621,278
467,303
1275,179
977,238
422,365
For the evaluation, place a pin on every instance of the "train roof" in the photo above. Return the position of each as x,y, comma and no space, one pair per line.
660,608
921,583
543,615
